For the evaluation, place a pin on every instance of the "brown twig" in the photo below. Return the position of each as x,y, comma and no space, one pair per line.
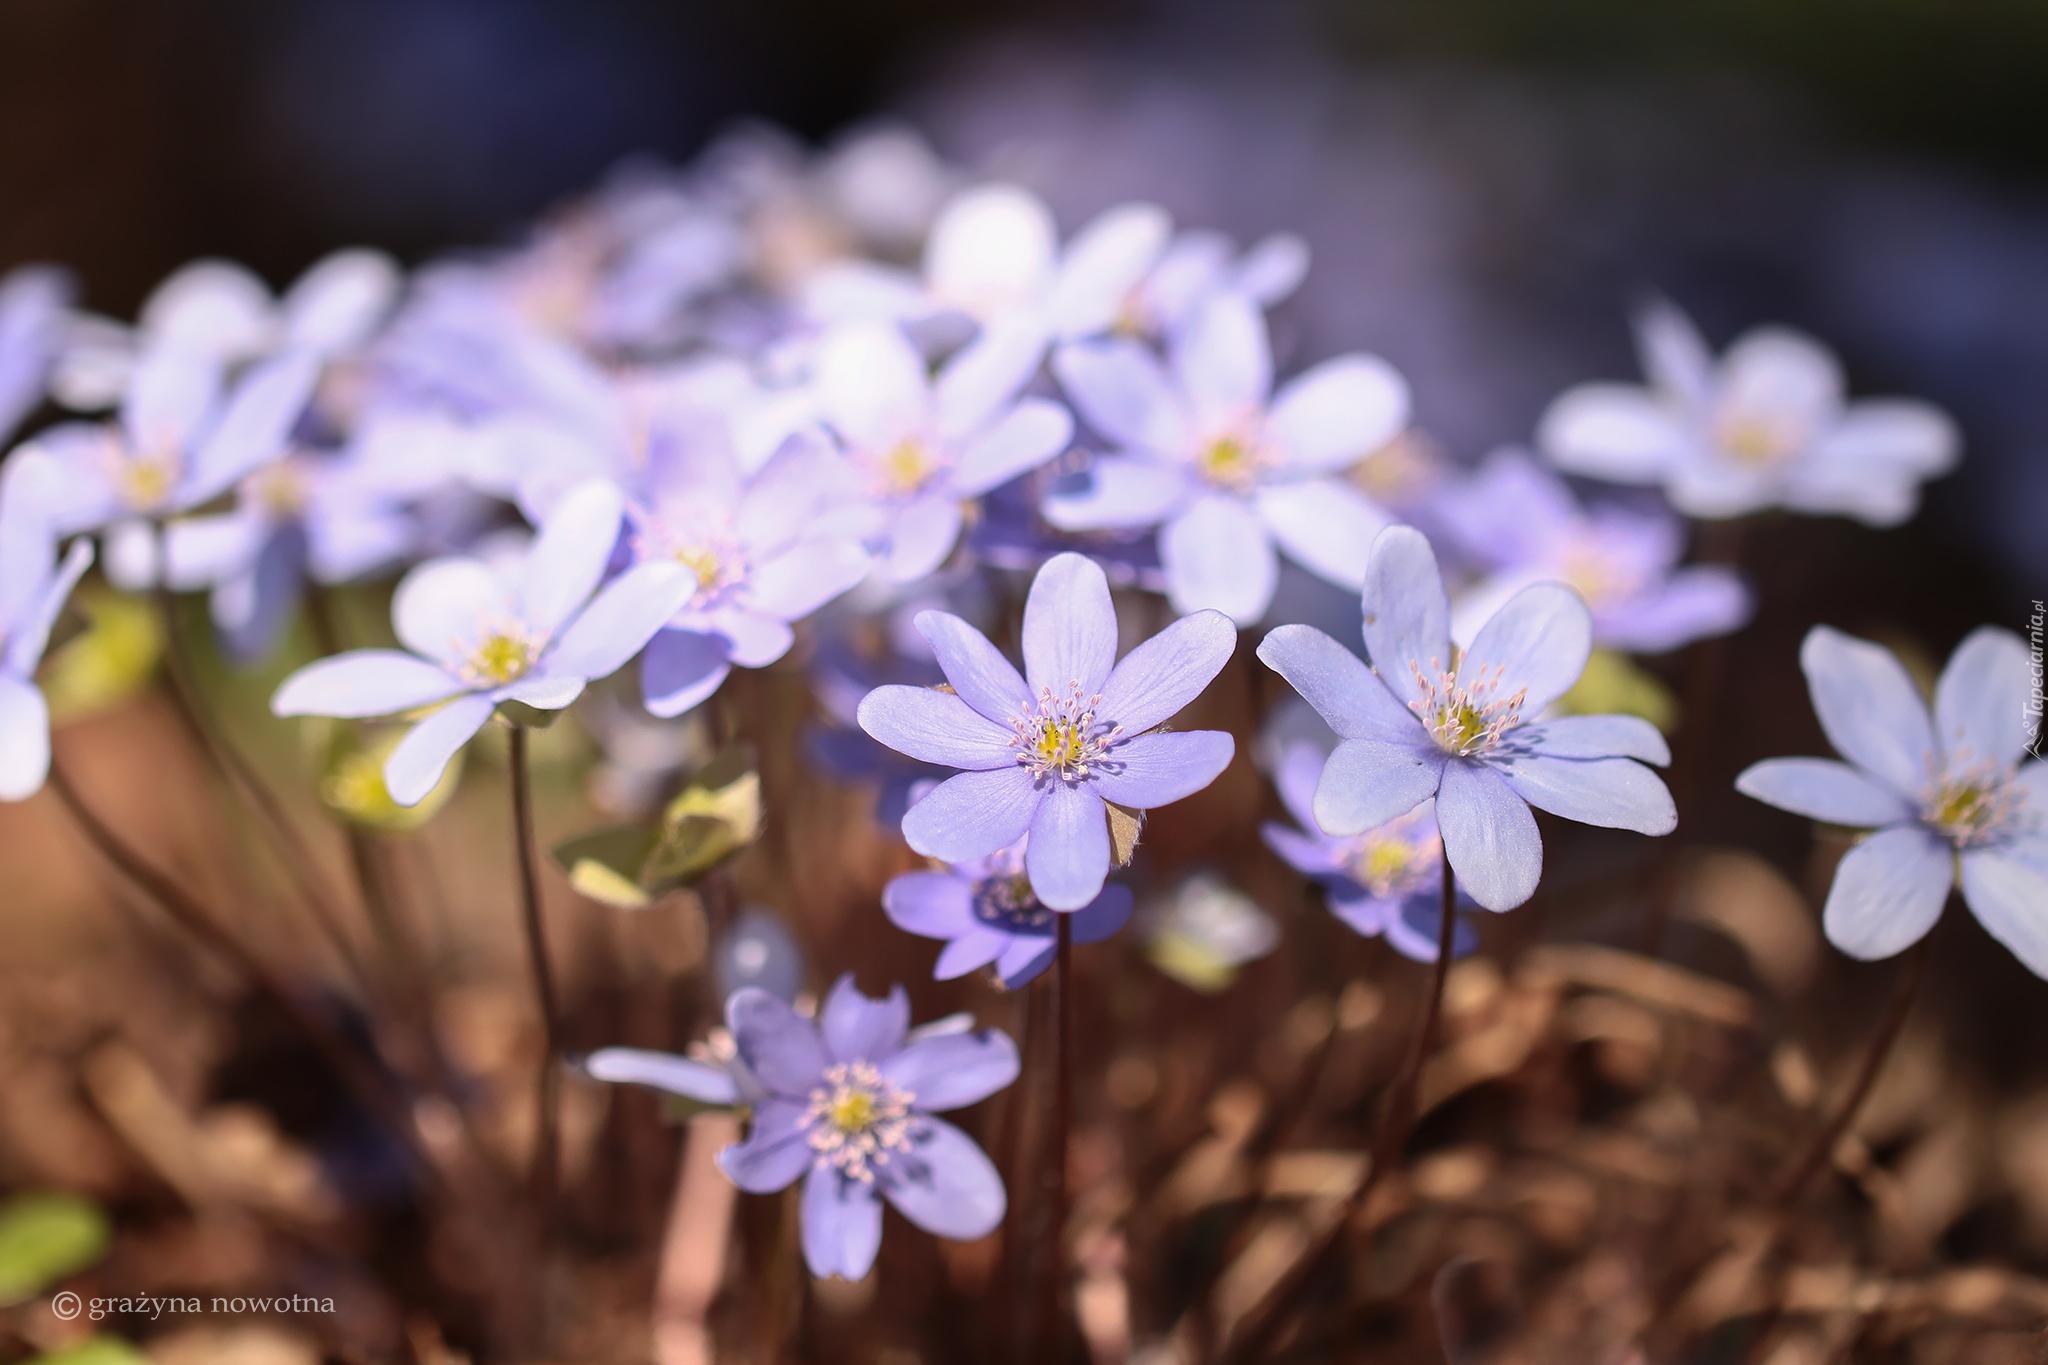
547,1116
1051,1328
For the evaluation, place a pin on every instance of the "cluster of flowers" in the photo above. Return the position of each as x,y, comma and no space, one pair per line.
725,397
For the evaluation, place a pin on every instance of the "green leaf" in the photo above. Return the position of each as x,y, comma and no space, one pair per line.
631,866
353,786
44,1237
605,864
112,658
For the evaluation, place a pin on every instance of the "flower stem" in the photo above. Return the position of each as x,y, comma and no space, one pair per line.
547,1108
1263,1322
1052,1333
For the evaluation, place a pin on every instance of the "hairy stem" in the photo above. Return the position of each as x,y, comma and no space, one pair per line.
547,1107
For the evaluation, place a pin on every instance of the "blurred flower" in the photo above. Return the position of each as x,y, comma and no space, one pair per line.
918,448
1387,881
1206,930
849,1108
1046,757
711,1074
1201,263
531,635
33,588
1766,426
32,303
1523,523
1224,472
1948,796
759,951
1429,722
987,913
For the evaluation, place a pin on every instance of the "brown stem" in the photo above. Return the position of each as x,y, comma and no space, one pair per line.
1012,1150
1264,1321
1052,1327
547,1108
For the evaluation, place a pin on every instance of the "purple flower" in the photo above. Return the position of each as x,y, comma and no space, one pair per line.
1224,471
985,910
1043,757
848,1107
1387,881
1948,795
33,587
478,637
1426,722
1523,523
32,303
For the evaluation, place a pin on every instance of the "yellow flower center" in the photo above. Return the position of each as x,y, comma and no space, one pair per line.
146,480
502,656
856,1120
905,467
281,490
1464,718
1059,736
1230,462
1757,439
851,1111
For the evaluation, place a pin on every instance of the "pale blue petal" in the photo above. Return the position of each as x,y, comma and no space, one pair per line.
1069,627
254,426
953,1070
806,576
664,1071
1618,432
1888,892
543,692
756,640
1868,707
1157,770
570,554
1339,412
1540,641
1980,704
1824,789
445,606
1025,960
364,682
842,1225
1490,836
1407,615
975,668
972,814
2010,899
860,1028
947,1185
31,634
1221,357
170,396
1367,782
1345,693
24,739
1616,793
987,372
1325,526
1308,856
1103,916
779,1046
1295,777
681,669
776,1152
621,620
936,727
1120,493
416,765
974,948
1105,261
1122,392
934,904
1154,681
923,534
1695,603
1218,555
1595,737
1068,857
1027,436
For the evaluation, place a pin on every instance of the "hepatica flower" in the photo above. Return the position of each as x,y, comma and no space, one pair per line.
476,637
33,587
1044,751
1463,727
1947,795
986,912
1386,882
32,304
1221,465
849,1109
1765,426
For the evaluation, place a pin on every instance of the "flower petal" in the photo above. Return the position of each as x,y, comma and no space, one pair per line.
1156,770
1617,432
1407,614
936,727
1595,737
973,814
1025,960
1312,857
974,948
1325,526
683,1076
1490,836
364,682
569,556
1154,681
1868,707
1694,603
1888,892
1218,555
806,576
1103,916
778,1045
974,668
444,606
946,1184
954,1070
1339,411
1345,693
985,374
842,1224
2010,899
1980,703
1068,857
1222,359
1824,789
1105,261
1367,782
1540,641
253,427
871,384
991,248
776,1152
1616,793
416,765
934,904
860,1028
169,397
1069,627
1121,391
621,620
1027,436
1120,492
923,534
24,739
681,669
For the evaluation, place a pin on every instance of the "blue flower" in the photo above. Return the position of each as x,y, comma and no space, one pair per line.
1386,882
1427,722
33,588
478,637
987,913
1223,469
1043,757
848,1105
1948,795
32,304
